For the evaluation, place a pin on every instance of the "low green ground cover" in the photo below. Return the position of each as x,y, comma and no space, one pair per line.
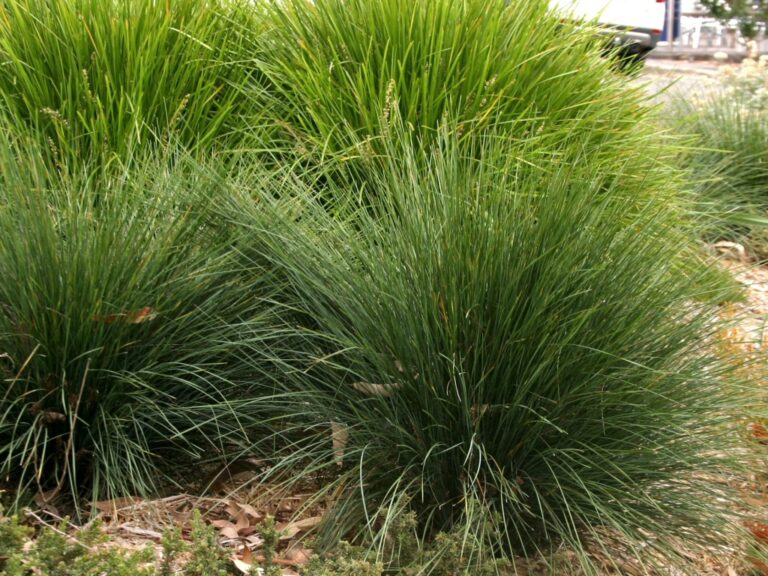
57,551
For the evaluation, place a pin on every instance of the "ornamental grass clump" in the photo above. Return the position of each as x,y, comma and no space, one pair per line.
121,313
338,74
96,77
517,353
729,164
730,161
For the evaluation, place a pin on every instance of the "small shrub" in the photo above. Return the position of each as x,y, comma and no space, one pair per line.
450,554
344,560
61,551
56,552
271,537
13,534
207,557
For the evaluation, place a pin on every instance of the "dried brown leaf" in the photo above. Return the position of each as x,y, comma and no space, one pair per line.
230,532
290,529
244,567
254,541
143,532
251,511
232,509
241,521
298,555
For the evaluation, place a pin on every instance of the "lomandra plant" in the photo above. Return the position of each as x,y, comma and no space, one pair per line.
120,323
97,77
729,165
731,158
339,73
515,353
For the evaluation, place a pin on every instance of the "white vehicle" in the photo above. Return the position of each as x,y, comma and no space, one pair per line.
634,26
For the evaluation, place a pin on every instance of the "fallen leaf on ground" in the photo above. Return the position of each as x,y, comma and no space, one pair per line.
232,509
298,555
759,432
244,567
112,506
241,521
250,510
229,532
143,532
254,541
759,531
290,529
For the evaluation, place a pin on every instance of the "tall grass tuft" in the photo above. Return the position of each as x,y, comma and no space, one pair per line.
121,314
504,350
103,76
729,164
341,73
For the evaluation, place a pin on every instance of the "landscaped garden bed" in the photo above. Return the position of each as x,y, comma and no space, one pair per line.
357,288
